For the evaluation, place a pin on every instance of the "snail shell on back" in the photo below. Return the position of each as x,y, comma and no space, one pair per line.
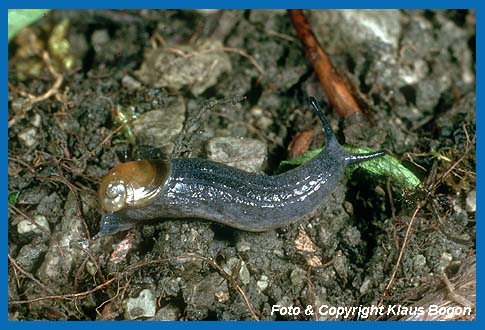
132,184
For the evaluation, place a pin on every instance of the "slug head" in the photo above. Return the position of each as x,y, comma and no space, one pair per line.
132,184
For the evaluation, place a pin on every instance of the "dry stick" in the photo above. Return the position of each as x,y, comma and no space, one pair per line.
30,276
393,213
29,219
91,153
452,295
109,300
65,296
401,251
39,283
337,88
246,55
53,90
57,83
433,187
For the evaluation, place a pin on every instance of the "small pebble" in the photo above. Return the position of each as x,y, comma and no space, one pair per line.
471,201
130,83
142,306
263,282
28,137
25,226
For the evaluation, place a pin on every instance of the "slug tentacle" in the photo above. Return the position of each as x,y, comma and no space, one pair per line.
329,134
197,188
332,141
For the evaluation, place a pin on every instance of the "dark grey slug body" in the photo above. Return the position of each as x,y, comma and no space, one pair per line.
199,188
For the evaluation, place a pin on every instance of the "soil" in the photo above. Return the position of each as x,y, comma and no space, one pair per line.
236,74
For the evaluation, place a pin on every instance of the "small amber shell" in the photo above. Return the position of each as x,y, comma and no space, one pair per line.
132,184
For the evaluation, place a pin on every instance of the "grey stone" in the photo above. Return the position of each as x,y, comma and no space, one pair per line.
26,226
298,277
142,306
243,269
130,83
168,312
471,201
64,250
29,255
243,153
263,282
160,127
198,67
28,137
375,27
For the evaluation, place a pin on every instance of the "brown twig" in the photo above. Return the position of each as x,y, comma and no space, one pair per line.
403,248
430,192
336,86
36,99
91,153
29,219
393,213
453,295
29,275
65,296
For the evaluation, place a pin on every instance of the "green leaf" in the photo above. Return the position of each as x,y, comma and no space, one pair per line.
387,166
19,18
12,197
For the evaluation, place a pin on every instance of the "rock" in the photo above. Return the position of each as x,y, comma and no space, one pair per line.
169,312
28,137
26,226
51,207
142,306
352,236
243,153
64,250
201,295
444,262
263,282
471,201
243,246
243,269
36,120
160,128
99,38
341,266
377,28
198,67
32,195
366,285
20,105
419,261
298,277
130,83
29,255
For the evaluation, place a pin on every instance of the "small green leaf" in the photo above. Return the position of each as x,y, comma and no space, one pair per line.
19,18
387,166
12,197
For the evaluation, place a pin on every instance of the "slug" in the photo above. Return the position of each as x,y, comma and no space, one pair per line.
137,191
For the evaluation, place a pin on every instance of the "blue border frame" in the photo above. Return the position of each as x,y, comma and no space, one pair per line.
220,4
435,4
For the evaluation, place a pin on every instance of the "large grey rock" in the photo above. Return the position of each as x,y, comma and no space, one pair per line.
198,67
